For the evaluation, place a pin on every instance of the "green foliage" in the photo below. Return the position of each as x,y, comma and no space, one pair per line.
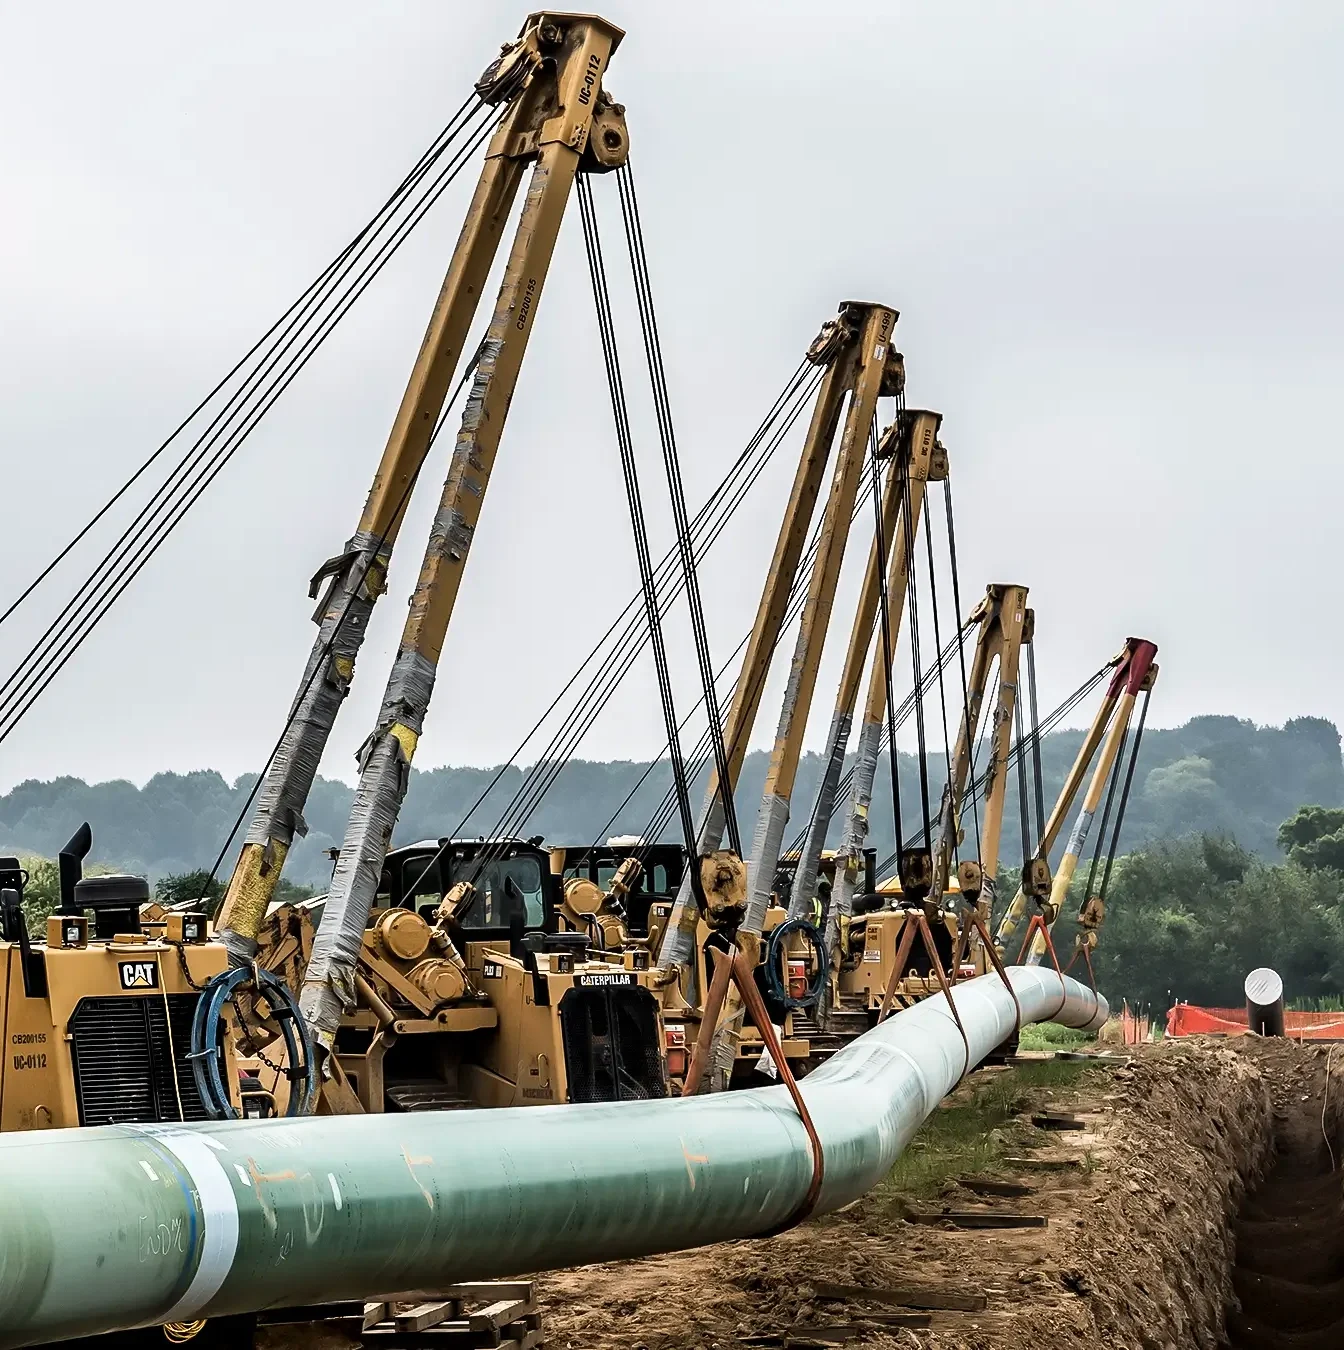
1216,776
1187,919
1313,837
290,892
976,1129
1052,1036
179,887
42,893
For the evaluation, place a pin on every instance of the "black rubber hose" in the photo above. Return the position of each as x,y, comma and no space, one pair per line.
776,986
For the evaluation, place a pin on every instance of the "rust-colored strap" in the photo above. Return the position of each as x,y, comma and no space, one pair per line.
962,934
927,934
898,965
1038,924
745,979
997,962
709,1019
1038,921
1086,953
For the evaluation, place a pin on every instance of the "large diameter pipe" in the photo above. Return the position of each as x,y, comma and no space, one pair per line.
121,1226
1264,1002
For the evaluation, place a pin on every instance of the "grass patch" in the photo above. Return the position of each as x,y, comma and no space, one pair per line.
978,1126
1052,1036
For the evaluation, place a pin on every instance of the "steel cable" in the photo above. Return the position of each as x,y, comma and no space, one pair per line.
638,524
714,517
198,469
436,149
639,266
320,665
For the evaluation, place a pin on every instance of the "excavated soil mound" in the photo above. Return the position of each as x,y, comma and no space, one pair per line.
1151,1239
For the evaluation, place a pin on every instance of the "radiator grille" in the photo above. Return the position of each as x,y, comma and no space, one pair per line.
611,1045
123,1064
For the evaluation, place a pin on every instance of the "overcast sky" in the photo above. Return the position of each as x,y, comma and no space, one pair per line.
1113,233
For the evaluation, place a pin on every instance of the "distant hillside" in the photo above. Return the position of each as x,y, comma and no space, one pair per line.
1217,775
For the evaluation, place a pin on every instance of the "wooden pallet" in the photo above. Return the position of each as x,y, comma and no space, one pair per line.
495,1315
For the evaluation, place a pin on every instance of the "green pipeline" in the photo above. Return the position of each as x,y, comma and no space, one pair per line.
124,1226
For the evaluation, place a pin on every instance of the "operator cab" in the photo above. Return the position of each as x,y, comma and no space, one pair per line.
512,879
787,869
664,865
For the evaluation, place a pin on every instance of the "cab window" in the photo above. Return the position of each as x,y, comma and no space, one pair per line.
504,887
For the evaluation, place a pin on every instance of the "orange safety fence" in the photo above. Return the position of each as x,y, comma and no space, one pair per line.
1137,1027
1185,1019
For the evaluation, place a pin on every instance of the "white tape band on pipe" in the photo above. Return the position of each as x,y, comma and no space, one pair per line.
218,1240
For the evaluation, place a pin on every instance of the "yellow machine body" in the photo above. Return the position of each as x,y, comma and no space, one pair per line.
868,946
531,1018
104,1034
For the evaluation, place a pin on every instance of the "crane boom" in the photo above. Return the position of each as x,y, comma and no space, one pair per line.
873,356
550,78
1005,624
1133,666
1137,673
837,349
570,116
851,674
922,459
874,361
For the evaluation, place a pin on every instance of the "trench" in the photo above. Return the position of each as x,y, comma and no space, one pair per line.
1288,1277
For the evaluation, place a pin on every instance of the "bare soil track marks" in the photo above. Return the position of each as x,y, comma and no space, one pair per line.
1139,1250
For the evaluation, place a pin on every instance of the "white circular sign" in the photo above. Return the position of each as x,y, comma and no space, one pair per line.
1264,986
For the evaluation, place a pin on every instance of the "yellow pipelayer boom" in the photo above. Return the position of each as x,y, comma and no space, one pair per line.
855,350
868,944
557,120
1135,673
436,976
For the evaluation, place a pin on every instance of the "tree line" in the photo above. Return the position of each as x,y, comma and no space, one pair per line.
1187,919
1219,870
1221,776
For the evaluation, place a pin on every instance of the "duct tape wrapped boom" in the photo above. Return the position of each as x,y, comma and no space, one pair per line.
357,578
809,862
385,760
856,831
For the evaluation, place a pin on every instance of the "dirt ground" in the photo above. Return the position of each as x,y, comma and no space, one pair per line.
1139,1249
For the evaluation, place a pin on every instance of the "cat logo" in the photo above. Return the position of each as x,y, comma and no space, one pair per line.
138,974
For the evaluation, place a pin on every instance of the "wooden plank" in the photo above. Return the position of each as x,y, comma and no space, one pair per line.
1056,1120
488,1291
1045,1164
499,1315
845,1330
940,1299
993,1186
420,1316
525,1342
445,1334
982,1218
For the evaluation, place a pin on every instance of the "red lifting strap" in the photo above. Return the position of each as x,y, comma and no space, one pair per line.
745,979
